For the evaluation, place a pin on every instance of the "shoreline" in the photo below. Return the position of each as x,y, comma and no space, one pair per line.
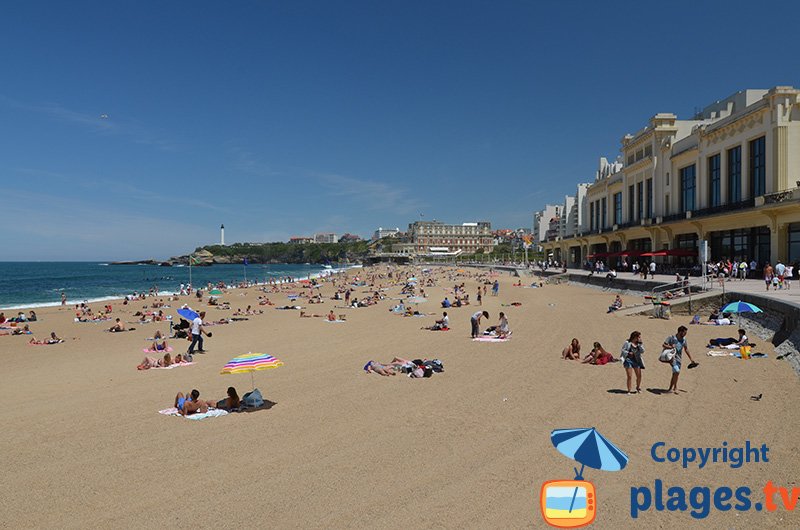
120,297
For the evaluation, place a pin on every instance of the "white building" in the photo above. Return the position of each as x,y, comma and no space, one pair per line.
326,237
541,222
381,232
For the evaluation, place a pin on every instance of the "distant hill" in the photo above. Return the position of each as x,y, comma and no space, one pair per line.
322,253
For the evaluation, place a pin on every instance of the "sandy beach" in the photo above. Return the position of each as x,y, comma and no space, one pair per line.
84,445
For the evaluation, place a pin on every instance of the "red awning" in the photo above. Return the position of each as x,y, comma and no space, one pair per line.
682,252
631,253
598,255
679,252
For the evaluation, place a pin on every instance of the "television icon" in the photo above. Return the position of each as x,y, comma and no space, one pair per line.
568,503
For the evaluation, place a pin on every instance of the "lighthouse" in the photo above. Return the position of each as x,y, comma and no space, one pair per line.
222,235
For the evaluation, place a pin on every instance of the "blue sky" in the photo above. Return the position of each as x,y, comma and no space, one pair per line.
288,118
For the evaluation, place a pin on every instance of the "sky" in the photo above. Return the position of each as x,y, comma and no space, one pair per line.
132,130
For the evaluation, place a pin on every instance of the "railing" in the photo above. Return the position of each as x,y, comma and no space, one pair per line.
782,196
713,210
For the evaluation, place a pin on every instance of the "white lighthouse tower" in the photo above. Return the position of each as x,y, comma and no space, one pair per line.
222,235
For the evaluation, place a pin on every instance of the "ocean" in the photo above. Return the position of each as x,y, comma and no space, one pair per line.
40,284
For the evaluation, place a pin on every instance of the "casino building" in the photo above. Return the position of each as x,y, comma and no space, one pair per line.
469,238
730,175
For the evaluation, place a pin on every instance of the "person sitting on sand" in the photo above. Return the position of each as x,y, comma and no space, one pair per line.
502,326
443,323
118,326
231,402
331,316
572,352
32,317
446,302
616,305
190,404
599,356
159,346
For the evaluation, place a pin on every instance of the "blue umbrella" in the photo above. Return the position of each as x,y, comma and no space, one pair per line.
588,447
187,313
741,307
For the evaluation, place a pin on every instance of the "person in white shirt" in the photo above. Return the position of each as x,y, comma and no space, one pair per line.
476,322
197,334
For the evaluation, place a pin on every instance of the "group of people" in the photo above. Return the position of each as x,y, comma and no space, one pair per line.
190,403
673,348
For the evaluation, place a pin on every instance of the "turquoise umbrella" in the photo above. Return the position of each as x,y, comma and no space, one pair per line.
741,307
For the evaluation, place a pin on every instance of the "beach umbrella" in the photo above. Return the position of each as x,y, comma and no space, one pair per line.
187,313
588,447
250,362
215,292
741,307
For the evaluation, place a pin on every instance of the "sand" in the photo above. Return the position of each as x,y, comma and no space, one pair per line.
84,446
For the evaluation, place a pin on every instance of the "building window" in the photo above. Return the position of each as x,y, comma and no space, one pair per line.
687,188
714,198
667,183
630,159
794,242
639,200
597,215
591,216
648,151
758,167
745,243
604,217
631,205
649,199
618,208
735,175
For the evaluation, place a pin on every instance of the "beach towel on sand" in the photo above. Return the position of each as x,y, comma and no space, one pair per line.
333,321
212,413
147,350
719,354
490,339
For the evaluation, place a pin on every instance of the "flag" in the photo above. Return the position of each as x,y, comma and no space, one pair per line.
193,260
245,262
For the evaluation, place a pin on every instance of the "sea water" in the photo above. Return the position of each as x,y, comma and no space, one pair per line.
40,284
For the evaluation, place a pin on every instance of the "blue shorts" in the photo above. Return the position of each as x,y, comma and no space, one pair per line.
630,362
676,368
181,401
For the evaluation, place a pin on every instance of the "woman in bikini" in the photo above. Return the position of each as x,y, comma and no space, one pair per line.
572,352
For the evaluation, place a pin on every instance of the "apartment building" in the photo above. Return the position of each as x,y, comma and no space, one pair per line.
730,176
326,237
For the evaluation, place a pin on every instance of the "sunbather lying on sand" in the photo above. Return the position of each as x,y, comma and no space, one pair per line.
54,339
386,369
152,362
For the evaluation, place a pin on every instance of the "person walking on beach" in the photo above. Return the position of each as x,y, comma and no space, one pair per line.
768,275
197,334
631,356
678,342
495,288
476,322
479,297
63,298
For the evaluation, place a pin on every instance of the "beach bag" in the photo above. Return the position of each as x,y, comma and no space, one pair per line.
253,399
667,356
744,351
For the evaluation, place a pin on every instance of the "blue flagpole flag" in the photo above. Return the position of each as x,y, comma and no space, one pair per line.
245,262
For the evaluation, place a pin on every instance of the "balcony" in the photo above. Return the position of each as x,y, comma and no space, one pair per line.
781,196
